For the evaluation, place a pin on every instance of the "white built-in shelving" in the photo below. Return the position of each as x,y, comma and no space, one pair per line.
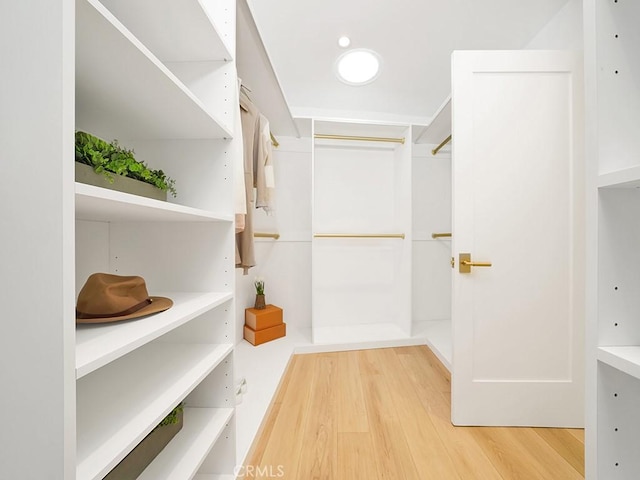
124,91
613,333
160,77
122,402
135,82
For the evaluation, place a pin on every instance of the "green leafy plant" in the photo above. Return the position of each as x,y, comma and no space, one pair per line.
259,284
110,158
172,418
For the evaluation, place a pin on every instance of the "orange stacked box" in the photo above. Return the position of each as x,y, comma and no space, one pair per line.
263,325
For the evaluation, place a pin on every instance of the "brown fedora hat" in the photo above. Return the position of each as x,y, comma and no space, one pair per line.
112,298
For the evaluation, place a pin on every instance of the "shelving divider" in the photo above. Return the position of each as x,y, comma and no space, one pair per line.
613,330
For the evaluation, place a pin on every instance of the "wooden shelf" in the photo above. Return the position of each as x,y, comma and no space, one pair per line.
627,178
123,91
174,30
118,405
625,358
440,126
182,457
99,344
101,204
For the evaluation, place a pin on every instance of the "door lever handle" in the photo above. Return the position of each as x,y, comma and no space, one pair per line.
465,263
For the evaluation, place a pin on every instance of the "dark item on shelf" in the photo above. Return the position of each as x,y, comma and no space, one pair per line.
110,298
149,448
260,302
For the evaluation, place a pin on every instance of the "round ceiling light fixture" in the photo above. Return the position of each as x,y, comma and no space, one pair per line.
358,67
344,41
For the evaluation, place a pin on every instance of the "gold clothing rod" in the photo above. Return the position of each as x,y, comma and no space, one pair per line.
359,235
275,236
362,139
442,144
440,235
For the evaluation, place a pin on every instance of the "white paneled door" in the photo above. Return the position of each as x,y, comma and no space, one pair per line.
518,206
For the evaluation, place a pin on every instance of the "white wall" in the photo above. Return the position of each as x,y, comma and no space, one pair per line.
285,264
563,31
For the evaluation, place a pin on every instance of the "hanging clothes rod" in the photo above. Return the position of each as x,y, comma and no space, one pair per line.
275,236
359,235
440,235
323,136
442,144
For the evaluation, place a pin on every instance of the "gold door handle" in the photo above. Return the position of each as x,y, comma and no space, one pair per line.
465,263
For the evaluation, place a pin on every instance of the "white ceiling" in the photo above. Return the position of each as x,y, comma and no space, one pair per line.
414,37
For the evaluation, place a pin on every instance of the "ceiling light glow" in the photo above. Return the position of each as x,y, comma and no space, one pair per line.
344,41
358,67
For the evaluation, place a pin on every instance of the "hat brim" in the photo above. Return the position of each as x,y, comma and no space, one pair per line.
158,304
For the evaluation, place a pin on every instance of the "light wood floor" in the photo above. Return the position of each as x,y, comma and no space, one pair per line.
385,414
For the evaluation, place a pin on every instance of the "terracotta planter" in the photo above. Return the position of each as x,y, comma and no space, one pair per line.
85,174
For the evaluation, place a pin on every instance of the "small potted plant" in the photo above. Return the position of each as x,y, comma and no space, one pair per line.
260,301
110,165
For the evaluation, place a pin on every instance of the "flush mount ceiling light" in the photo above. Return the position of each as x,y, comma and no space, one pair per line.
344,41
358,67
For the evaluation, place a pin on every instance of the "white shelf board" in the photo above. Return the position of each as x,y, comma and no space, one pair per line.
627,178
174,30
440,126
357,128
101,204
182,457
124,91
256,72
624,358
99,344
119,404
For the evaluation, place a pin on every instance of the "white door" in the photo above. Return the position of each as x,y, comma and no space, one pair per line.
518,331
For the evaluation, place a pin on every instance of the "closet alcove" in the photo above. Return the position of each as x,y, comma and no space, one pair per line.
432,234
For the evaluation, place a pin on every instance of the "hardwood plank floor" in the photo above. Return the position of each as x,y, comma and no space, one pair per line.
385,414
